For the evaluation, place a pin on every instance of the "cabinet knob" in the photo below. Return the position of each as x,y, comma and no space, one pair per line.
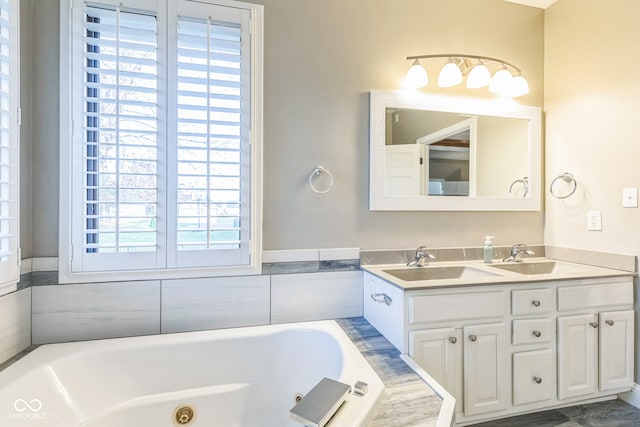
594,324
537,380
610,322
536,303
473,338
453,340
537,334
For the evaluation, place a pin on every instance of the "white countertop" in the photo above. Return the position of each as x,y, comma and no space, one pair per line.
479,273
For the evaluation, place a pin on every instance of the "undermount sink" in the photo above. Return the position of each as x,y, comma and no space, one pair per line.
438,273
547,267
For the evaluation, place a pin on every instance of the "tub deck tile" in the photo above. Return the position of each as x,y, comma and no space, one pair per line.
408,400
409,405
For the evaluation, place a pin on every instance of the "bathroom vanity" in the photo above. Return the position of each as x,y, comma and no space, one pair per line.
511,338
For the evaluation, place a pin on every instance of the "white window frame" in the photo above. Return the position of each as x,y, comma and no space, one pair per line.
10,265
68,126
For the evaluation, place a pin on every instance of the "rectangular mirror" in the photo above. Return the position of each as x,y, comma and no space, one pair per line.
450,153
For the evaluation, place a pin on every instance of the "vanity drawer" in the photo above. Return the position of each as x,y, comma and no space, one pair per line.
533,376
589,296
437,308
532,331
531,301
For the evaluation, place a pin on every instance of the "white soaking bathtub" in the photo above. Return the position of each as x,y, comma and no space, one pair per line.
230,377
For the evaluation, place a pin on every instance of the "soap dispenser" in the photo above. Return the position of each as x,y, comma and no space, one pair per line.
488,249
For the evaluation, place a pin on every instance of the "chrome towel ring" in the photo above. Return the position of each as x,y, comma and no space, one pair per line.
566,177
318,171
525,183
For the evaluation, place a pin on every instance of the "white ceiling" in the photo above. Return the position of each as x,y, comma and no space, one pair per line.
542,4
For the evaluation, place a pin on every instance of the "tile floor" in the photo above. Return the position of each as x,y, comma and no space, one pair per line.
612,413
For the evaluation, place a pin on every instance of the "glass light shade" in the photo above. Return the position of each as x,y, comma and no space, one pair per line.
519,86
416,76
450,75
480,76
501,82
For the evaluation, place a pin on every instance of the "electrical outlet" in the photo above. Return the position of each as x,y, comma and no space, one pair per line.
594,221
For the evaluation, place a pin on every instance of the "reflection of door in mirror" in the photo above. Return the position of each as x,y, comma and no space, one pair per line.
404,171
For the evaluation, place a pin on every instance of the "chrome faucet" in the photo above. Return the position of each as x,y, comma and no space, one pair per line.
422,258
516,252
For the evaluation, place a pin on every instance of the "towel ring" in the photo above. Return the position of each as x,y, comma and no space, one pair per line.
525,183
566,177
318,171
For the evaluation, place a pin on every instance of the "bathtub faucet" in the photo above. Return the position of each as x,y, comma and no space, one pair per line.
422,258
516,252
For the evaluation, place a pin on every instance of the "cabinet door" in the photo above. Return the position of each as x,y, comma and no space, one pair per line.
484,368
439,352
577,355
616,349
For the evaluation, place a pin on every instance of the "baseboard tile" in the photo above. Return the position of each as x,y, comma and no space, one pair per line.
632,397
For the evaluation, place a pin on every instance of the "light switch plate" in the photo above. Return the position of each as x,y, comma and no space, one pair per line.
630,198
594,221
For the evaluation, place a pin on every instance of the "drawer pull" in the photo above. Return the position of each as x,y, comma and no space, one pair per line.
537,334
453,340
382,298
610,322
537,380
594,324
536,303
473,338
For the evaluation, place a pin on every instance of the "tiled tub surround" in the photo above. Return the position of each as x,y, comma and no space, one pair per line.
108,310
15,323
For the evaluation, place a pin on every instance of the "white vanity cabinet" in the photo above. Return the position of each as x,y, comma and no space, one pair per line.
595,345
469,362
512,348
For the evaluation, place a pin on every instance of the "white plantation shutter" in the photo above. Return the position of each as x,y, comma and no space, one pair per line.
213,167
120,137
8,143
165,148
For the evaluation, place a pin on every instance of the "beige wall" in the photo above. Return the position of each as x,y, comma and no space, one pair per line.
322,57
591,115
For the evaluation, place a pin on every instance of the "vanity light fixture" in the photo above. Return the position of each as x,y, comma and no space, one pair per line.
450,75
506,81
416,76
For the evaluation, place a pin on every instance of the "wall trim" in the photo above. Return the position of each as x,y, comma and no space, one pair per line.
29,265
632,397
310,255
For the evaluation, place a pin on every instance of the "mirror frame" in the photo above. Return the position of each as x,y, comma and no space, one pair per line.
508,108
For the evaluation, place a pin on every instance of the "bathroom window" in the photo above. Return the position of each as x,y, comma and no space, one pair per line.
9,131
163,155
